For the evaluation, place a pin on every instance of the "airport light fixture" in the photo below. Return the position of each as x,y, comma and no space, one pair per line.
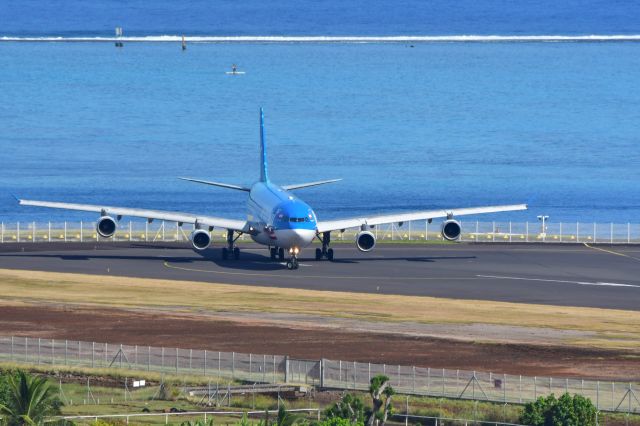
543,219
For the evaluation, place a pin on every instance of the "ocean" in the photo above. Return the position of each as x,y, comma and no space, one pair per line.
407,125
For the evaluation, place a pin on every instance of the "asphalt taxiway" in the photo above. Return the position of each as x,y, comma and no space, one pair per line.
571,275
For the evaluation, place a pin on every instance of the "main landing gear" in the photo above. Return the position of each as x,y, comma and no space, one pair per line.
231,248
277,252
325,252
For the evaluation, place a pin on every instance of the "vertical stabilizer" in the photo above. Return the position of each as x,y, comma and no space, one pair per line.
264,176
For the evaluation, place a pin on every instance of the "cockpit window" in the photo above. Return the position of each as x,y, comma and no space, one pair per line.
296,219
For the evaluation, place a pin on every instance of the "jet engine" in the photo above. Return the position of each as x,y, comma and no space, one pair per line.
365,241
451,230
200,239
106,226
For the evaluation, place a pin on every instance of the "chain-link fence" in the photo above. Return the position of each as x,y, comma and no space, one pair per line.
345,375
511,232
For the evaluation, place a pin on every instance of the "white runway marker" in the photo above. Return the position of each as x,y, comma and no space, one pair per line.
604,284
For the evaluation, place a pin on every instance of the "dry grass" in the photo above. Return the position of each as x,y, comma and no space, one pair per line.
614,328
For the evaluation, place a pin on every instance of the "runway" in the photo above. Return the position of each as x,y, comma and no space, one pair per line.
570,275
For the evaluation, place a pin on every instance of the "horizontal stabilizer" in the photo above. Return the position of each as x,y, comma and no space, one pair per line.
307,185
222,185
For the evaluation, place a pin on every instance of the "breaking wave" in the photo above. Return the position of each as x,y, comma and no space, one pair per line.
338,39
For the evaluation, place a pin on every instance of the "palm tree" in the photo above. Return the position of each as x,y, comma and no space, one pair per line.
30,400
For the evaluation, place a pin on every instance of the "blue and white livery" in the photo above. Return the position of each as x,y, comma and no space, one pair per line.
276,218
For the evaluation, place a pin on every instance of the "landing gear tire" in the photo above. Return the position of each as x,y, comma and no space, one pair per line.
273,252
225,253
330,254
281,254
292,263
318,254
236,253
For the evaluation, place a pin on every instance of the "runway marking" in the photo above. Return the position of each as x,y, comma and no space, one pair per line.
612,252
604,284
295,275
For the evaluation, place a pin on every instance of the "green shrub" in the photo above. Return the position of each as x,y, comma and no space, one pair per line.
564,411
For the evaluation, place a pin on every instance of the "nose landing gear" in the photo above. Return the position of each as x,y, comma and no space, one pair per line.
292,263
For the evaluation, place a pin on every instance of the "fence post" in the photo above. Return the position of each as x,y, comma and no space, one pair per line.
66,351
354,374
535,388
65,231
560,231
413,386
93,354
33,232
510,235
577,232
81,236
26,349
504,385
204,367
611,232
148,358
443,382
130,231
598,395
38,351
520,390
11,348
233,365
628,233
53,345
176,360
286,369
18,232
49,235
526,231
594,232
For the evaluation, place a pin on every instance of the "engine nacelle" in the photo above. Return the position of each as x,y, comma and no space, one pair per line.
200,239
451,230
106,226
365,241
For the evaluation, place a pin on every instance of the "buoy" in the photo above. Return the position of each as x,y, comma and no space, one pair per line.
184,43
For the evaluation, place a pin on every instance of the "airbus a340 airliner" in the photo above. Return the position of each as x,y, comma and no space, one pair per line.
275,218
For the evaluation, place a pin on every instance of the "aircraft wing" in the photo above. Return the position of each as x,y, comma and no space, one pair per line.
216,222
334,225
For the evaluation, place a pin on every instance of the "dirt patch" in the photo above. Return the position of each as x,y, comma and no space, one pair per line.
208,332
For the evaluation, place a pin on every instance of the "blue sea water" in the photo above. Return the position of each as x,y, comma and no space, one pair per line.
318,17
408,127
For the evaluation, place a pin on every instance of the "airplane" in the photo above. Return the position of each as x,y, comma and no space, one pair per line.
276,218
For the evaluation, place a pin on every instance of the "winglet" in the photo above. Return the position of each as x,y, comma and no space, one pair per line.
264,176
17,199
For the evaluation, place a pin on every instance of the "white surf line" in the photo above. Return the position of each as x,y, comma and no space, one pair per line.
604,284
339,39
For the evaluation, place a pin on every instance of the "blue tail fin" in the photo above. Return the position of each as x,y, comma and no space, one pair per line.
264,176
